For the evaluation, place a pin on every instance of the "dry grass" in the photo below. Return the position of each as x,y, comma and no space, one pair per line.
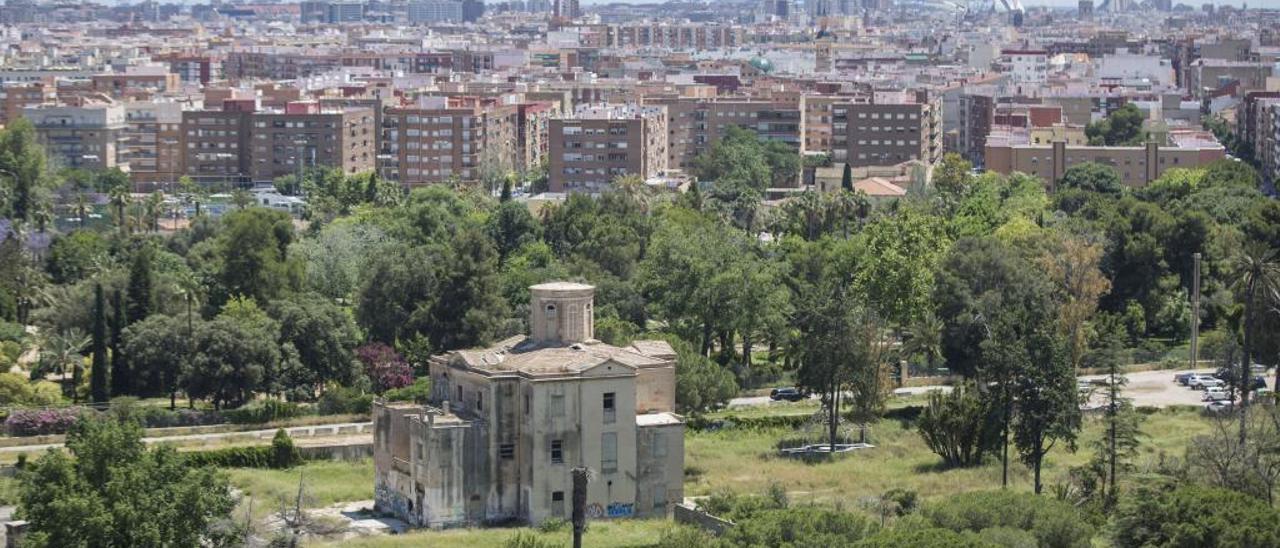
619,533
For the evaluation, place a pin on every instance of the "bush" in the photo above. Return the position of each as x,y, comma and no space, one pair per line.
1195,516
959,427
684,536
757,423
343,400
922,538
283,452
233,457
385,367
417,392
806,526
10,331
40,422
159,417
528,540
1008,537
1054,523
553,525
264,412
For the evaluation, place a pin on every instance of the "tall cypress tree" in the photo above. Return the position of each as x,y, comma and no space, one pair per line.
98,376
846,181
121,379
139,305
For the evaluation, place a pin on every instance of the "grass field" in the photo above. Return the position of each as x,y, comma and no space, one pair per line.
746,461
620,533
326,484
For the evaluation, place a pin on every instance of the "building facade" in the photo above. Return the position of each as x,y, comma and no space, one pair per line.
446,138
303,136
506,425
599,143
83,134
1011,151
889,133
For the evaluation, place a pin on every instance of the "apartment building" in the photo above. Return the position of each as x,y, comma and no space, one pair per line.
1209,77
215,142
977,110
17,96
695,124
599,143
438,139
303,136
435,11
1011,149
506,425
819,120
81,133
152,140
1269,145
892,129
532,124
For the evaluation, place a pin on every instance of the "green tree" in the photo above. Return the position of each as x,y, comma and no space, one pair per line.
230,362
953,177
324,336
468,309
846,178
141,294
158,349
121,376
114,491
1093,177
736,160
1123,127
511,227
959,426
701,384
1193,515
395,295
75,256
253,251
1048,407
1256,279
23,166
98,388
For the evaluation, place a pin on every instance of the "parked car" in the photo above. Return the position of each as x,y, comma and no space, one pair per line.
1183,378
1219,407
789,394
1201,382
1259,383
1216,393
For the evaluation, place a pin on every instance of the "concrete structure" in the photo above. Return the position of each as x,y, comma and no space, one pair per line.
599,143
895,128
82,134
302,135
506,425
1010,149
443,138
435,11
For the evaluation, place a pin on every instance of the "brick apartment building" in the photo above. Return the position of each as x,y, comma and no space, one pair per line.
303,135
599,143
438,139
695,124
1011,149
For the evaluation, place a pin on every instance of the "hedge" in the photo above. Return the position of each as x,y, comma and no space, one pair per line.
732,421
280,454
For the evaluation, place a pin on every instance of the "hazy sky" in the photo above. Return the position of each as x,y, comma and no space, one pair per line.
1064,3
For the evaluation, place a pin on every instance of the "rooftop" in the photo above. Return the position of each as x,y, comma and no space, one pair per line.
521,355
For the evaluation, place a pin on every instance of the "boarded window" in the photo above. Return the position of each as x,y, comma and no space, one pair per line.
557,405
557,503
659,496
609,452
507,451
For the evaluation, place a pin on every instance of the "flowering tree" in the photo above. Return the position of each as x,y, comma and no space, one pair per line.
386,368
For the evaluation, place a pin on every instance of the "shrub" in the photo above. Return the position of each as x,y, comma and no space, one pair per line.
922,538
418,392
1008,537
528,540
1054,523
385,367
263,412
40,422
232,457
904,500
805,526
1195,516
553,525
684,536
283,452
343,400
159,417
959,427
10,331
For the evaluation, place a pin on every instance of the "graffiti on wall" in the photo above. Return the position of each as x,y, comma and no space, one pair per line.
614,510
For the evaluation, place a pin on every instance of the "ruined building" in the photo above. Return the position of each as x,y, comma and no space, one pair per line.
506,424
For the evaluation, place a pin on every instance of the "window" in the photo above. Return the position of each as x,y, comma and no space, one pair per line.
557,503
659,496
459,395
610,413
507,451
557,405
609,452
528,404
557,452
479,401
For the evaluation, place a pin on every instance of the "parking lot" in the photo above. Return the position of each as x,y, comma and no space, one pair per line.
1157,389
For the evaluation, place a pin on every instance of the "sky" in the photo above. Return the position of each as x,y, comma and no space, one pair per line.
1058,3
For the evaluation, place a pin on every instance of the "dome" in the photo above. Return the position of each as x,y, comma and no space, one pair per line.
761,64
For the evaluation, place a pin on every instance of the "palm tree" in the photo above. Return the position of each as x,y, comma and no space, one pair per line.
119,199
1257,282
633,188
924,338
241,198
63,349
189,288
153,210
82,207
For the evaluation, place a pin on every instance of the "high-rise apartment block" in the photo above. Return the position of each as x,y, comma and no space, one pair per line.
892,129
438,139
599,143
82,133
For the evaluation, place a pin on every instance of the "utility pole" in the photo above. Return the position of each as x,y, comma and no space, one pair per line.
1195,312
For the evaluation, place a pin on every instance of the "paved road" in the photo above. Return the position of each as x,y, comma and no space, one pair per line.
1146,389
302,435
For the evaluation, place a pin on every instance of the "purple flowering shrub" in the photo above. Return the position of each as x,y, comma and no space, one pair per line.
385,367
39,422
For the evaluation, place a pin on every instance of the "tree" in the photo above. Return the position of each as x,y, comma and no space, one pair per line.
253,249
701,384
953,177
385,367
467,310
324,336
1123,127
511,227
159,349
846,178
1119,444
1072,264
112,490
119,198
75,256
1256,279
392,302
61,351
1048,408
121,376
1193,515
98,388
736,160
1092,177
230,362
959,426
141,294
23,166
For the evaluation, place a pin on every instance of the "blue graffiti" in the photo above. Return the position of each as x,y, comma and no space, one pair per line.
620,510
